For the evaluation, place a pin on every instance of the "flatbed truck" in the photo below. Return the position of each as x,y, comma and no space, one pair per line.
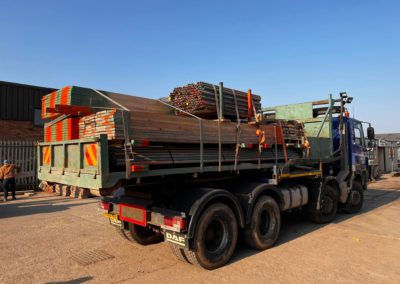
202,212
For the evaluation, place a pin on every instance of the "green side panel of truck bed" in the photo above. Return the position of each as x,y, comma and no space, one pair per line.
67,164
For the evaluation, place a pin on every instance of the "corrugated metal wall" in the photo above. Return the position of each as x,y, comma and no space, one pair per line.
18,101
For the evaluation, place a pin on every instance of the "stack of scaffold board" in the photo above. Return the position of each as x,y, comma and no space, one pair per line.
160,137
66,129
293,131
109,122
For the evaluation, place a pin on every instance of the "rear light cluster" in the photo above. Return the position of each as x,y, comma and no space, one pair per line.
136,168
175,222
106,206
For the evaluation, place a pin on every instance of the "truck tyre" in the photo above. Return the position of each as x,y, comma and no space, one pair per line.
140,235
327,212
144,236
179,252
265,224
215,237
125,234
355,200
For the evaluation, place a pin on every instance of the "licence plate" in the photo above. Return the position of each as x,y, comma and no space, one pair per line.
176,238
113,219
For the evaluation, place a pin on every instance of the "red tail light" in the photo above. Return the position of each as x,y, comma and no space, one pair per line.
136,168
175,222
105,205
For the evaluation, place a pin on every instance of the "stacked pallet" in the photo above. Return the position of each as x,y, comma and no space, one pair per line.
66,129
200,99
107,122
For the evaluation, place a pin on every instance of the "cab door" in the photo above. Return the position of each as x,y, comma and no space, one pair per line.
359,154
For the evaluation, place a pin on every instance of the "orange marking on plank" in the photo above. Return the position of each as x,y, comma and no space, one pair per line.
53,99
64,95
48,133
43,107
69,122
59,128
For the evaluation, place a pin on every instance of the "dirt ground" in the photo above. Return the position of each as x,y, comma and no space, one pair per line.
53,239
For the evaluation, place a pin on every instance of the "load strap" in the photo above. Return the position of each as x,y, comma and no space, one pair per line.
219,129
238,130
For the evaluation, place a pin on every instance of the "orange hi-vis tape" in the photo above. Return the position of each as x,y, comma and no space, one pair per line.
46,155
91,155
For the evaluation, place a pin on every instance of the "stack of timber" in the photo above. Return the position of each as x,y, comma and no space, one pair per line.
200,99
69,96
107,122
65,129
164,139
63,109
293,130
161,156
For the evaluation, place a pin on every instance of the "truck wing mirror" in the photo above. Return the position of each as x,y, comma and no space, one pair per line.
371,133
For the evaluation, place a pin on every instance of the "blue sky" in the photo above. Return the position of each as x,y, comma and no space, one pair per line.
286,51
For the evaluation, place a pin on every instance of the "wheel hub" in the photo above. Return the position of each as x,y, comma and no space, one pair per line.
356,197
216,236
265,222
327,205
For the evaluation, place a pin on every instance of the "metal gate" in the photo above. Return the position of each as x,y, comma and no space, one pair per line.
22,154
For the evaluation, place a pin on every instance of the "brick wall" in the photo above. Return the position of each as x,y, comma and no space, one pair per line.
20,130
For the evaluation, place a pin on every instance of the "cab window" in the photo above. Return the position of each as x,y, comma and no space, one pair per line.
358,138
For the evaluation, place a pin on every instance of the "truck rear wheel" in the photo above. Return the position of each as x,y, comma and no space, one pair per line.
355,200
265,224
140,235
215,237
179,252
327,212
144,236
125,234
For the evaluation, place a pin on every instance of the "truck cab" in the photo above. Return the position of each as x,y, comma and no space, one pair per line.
356,147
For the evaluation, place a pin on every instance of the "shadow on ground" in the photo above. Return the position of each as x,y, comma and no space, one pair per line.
296,225
74,281
38,206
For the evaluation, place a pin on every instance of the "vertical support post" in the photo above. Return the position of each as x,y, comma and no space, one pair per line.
221,101
80,146
65,157
201,146
102,153
331,105
343,151
125,122
249,104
